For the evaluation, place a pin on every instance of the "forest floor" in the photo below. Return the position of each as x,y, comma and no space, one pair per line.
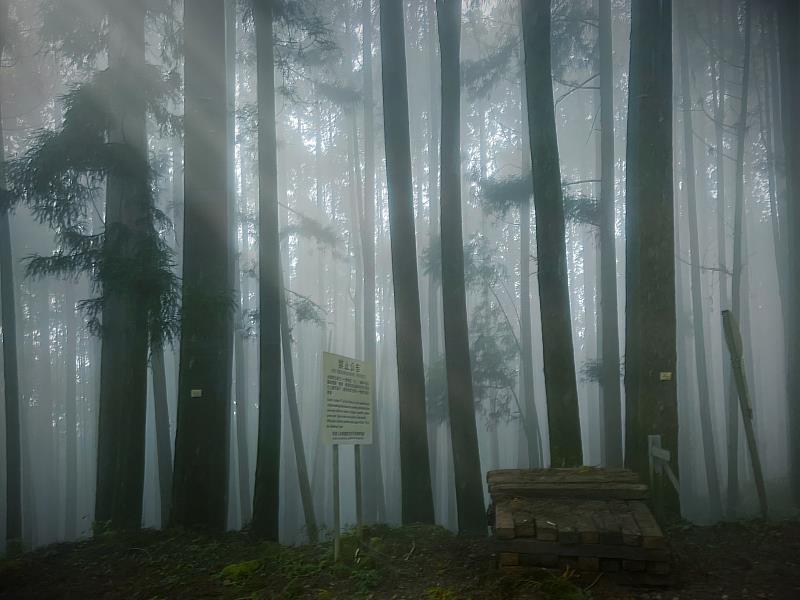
746,560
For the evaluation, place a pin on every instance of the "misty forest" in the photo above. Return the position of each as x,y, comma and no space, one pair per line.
554,228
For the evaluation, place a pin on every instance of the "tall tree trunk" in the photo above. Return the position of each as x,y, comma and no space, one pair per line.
738,266
373,494
768,119
163,436
417,498
70,413
123,369
200,485
650,329
609,319
10,357
240,364
460,396
434,126
533,439
268,461
698,324
559,359
789,19
294,418
719,92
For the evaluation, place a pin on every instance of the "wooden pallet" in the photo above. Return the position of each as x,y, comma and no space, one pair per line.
589,519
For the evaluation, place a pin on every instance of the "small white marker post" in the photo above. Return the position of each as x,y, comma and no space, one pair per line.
337,527
347,419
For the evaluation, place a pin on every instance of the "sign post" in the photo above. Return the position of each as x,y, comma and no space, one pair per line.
346,419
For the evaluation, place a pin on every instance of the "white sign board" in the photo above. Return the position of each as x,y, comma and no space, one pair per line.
347,410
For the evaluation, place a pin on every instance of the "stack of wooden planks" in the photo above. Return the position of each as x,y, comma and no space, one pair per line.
589,519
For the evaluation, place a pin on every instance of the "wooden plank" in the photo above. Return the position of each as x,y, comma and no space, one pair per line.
620,491
546,530
577,475
634,565
568,535
588,563
529,546
610,565
659,567
508,559
539,560
631,534
503,521
524,524
608,527
652,536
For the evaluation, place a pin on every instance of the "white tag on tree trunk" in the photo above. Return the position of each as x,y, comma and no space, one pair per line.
196,394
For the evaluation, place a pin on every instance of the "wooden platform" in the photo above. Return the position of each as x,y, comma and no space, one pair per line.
589,519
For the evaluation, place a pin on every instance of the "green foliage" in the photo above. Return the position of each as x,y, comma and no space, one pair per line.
305,309
480,268
581,209
479,77
502,195
441,593
78,30
338,94
494,350
73,31
326,236
62,177
238,572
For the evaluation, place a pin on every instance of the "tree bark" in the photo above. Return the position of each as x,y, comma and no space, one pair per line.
698,324
559,359
650,331
123,369
789,19
460,395
417,499
200,485
8,310
373,496
737,303
268,461
609,320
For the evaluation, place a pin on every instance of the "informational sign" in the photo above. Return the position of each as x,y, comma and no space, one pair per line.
347,411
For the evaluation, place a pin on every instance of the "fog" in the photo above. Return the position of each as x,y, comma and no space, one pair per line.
332,203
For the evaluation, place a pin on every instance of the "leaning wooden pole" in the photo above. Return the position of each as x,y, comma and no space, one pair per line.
733,337
294,419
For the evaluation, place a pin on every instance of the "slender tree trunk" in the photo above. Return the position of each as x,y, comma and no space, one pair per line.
768,118
559,359
718,97
266,493
650,330
698,324
434,299
200,484
373,496
738,266
70,413
530,424
461,401
294,419
123,370
417,499
163,436
10,367
240,364
609,319
789,19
